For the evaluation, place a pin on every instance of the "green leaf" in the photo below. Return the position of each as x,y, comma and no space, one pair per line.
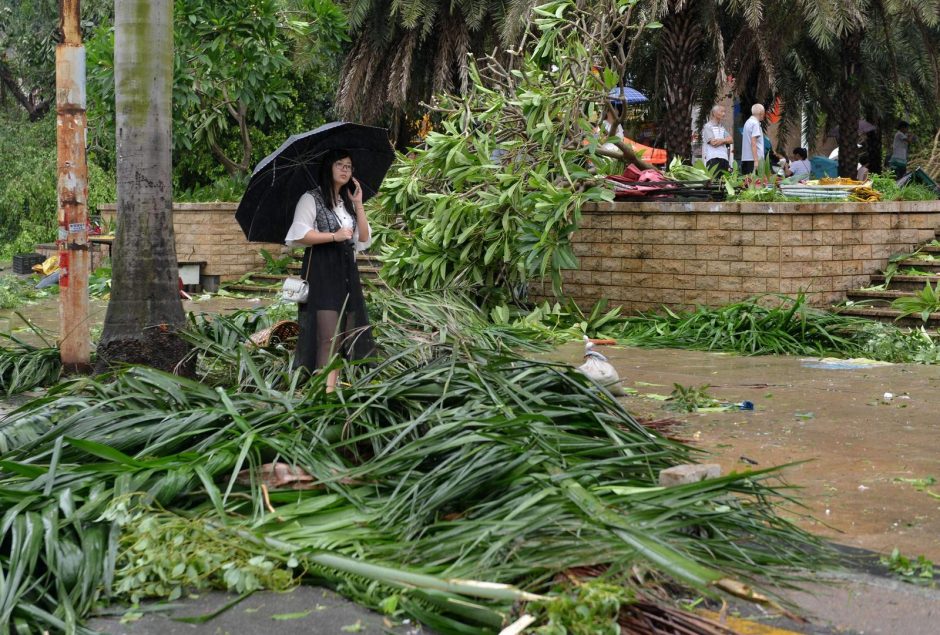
299,615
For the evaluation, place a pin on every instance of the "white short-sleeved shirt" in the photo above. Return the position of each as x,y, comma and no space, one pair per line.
752,129
305,219
605,129
712,131
801,168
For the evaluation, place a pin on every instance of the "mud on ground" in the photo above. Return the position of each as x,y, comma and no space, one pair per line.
858,446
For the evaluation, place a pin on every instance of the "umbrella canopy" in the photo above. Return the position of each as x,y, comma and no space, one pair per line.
633,96
266,211
864,127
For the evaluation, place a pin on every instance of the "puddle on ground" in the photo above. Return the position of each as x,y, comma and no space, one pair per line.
856,443
44,315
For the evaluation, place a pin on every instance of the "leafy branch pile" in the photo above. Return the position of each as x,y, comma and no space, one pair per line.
452,460
887,185
495,192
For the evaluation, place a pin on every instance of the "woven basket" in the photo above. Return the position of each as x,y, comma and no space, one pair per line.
284,332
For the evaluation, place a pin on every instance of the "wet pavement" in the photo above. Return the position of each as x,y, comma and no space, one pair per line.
857,445
303,611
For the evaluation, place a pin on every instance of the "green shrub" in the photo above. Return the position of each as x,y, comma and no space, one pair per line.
28,200
886,184
226,188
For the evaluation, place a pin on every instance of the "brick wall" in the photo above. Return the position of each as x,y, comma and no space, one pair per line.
645,255
98,252
209,232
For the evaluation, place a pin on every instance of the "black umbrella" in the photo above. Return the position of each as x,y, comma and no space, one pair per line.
266,211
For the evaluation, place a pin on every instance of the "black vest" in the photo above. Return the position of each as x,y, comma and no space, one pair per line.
327,221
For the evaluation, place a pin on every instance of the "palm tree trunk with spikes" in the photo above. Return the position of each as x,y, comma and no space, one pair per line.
682,41
848,106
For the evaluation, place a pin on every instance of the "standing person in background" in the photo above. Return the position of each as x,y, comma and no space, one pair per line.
902,142
752,141
716,141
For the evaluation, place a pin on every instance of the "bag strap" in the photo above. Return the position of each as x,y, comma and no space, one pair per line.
309,262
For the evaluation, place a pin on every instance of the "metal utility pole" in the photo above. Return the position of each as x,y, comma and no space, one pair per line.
72,239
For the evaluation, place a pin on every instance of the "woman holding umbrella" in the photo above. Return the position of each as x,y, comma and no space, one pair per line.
330,221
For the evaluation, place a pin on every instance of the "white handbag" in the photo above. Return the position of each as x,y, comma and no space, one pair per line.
297,289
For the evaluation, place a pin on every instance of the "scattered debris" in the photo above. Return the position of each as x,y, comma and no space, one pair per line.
921,485
833,363
915,571
598,369
278,476
299,615
688,473
691,398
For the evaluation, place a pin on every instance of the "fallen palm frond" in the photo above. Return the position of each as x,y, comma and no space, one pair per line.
452,460
749,327
24,366
762,325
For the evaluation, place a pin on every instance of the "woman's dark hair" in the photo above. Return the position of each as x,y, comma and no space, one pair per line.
800,152
325,179
903,125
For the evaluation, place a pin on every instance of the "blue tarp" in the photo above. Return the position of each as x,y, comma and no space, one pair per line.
823,167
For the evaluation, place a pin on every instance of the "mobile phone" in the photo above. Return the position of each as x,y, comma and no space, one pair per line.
352,187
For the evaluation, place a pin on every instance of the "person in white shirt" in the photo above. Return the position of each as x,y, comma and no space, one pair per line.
330,221
752,141
611,127
716,141
800,165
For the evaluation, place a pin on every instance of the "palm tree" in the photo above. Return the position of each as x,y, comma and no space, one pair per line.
681,45
406,51
830,57
145,310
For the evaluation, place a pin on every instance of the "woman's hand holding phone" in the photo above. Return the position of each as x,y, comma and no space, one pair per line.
355,191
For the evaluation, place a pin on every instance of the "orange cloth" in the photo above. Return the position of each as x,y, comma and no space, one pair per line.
656,156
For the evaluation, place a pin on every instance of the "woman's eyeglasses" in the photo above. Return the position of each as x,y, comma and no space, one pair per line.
343,167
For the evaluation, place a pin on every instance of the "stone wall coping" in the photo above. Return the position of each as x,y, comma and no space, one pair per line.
724,207
218,206
648,207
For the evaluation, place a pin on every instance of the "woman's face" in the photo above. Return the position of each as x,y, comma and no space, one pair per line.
342,171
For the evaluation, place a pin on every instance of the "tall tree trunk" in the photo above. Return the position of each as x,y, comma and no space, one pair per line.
145,311
680,46
848,103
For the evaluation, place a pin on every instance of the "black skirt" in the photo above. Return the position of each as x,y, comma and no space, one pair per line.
334,318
